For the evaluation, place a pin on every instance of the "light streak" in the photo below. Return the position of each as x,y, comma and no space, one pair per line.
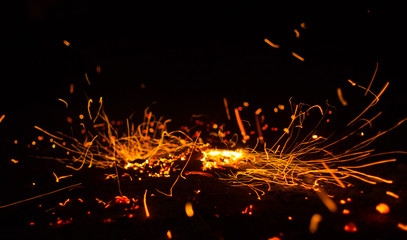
351,82
71,88
62,100
297,33
402,226
241,127
2,117
225,102
169,234
145,205
334,176
340,96
39,196
66,43
271,44
327,201
189,209
258,127
392,194
373,77
297,56
87,78
49,134
61,177
314,223
64,203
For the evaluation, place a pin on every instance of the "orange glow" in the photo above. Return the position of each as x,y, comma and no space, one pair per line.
297,56
274,238
189,210
98,69
350,227
122,199
303,25
2,117
351,82
64,203
145,204
383,208
14,161
71,88
169,234
340,96
225,102
271,44
66,43
392,194
290,218
314,222
327,201
349,199
241,127
345,211
297,34
342,201
402,226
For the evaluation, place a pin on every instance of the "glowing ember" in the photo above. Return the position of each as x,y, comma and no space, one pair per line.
350,227
189,210
314,223
383,208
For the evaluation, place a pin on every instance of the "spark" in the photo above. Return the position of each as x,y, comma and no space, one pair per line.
225,102
66,43
373,77
62,100
392,194
87,78
64,203
341,98
169,234
41,195
383,208
314,222
189,210
71,88
350,227
351,82
345,211
327,201
334,176
303,25
61,177
49,134
241,127
402,226
14,161
2,117
297,33
98,69
297,56
145,204
271,44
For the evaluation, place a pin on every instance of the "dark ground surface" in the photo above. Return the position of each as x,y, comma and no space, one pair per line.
188,61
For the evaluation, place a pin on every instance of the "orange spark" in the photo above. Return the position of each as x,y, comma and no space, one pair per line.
169,234
297,56
189,210
61,177
392,194
64,203
274,238
334,176
350,227
383,208
145,204
373,77
327,201
402,226
340,96
342,201
66,43
297,33
2,117
271,44
345,211
225,102
98,69
87,78
49,134
351,82
198,173
14,161
71,88
241,127
62,100
314,222
303,25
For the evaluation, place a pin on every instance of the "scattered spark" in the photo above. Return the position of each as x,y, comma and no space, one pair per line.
2,117
349,199
402,226
87,78
98,69
64,203
345,211
334,176
351,82
66,43
241,127
303,25
341,98
145,204
392,194
350,227
383,208
62,100
327,201
373,77
297,33
271,44
169,234
61,177
189,210
290,218
41,195
281,107
225,102
297,56
314,223
71,88
14,161
122,199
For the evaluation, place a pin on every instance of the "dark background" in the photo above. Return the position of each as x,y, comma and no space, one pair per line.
189,57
